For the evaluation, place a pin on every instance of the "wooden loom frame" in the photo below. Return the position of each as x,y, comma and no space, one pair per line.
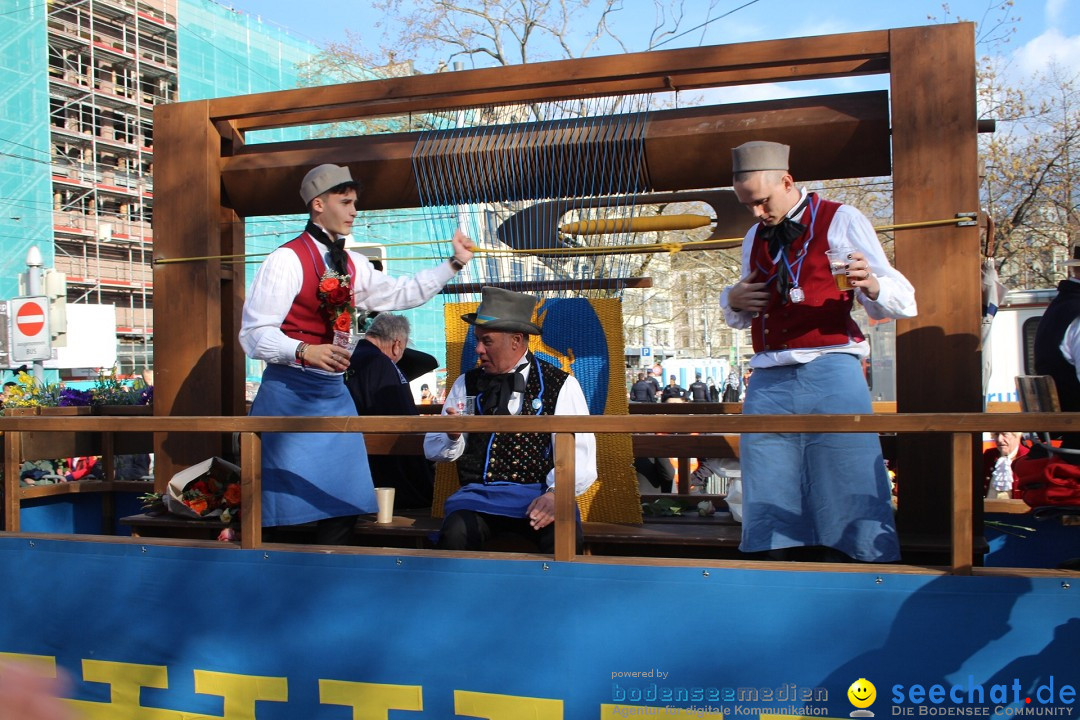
200,151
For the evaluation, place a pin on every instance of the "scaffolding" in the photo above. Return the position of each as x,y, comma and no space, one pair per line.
83,77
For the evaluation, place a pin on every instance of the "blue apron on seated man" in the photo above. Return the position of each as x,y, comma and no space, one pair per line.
507,479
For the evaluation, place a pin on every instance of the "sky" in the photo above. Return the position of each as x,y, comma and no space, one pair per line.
1046,28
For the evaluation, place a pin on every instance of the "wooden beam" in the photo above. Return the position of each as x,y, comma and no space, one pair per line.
962,507
823,56
935,175
12,466
251,490
189,336
565,501
848,134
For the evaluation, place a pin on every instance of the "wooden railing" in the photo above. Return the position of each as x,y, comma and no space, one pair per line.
962,427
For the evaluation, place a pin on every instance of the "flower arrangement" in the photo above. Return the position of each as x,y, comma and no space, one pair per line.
27,392
335,295
110,389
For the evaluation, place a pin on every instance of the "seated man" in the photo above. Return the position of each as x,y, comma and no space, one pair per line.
378,387
999,477
507,479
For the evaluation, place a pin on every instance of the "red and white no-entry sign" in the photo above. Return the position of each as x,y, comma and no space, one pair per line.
30,329
30,319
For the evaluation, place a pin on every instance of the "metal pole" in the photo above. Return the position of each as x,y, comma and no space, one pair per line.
33,288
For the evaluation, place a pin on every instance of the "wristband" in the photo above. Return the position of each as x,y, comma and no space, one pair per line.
551,489
300,354
455,263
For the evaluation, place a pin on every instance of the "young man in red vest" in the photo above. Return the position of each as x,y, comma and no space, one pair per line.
304,291
827,491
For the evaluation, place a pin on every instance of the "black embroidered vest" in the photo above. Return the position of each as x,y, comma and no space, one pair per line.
513,457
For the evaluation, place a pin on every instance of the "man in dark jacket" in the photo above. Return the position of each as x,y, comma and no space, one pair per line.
1057,343
673,391
643,390
378,387
698,391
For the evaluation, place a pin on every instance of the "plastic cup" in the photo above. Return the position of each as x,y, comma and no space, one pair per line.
346,340
385,498
466,406
838,264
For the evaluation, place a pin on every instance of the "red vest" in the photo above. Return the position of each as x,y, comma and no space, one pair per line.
823,319
306,320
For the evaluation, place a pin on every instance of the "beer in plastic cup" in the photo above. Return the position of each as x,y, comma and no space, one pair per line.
466,406
838,264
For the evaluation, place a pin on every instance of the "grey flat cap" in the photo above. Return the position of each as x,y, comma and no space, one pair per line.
759,155
322,178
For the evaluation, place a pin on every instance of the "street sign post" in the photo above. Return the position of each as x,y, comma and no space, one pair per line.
29,317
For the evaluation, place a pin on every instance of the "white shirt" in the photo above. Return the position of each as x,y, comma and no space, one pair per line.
896,298
281,277
438,447
1070,343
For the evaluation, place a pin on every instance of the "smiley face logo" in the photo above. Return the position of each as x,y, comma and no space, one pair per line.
862,694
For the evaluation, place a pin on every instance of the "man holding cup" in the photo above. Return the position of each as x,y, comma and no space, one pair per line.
827,491
507,479
303,292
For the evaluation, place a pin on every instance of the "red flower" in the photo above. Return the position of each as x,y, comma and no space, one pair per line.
338,296
343,322
328,285
232,494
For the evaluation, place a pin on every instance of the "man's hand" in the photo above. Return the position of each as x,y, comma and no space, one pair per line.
332,358
860,276
449,409
463,246
541,512
748,294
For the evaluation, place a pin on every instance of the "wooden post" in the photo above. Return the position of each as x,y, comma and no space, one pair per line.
12,465
190,342
565,498
962,505
250,490
935,176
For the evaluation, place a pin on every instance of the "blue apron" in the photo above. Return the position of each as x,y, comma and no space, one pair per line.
827,489
310,476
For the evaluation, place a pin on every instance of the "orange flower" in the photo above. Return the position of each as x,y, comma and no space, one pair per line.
197,504
343,322
329,284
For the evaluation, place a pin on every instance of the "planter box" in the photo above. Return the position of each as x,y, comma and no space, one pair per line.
11,412
67,410
123,409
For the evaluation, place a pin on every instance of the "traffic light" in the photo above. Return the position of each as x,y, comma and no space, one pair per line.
55,288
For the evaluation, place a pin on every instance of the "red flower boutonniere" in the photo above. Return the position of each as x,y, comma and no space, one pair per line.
336,297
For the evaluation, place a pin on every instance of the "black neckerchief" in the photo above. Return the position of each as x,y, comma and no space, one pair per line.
497,389
339,259
780,237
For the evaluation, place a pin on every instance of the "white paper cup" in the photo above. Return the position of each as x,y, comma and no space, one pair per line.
385,497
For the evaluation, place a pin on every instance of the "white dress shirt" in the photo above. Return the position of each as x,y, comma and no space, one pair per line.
281,277
438,447
850,228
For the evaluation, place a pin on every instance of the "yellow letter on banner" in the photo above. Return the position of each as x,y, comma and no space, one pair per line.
371,701
241,691
506,707
125,681
41,664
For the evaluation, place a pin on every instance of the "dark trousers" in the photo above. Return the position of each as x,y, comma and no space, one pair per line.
328,531
471,530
